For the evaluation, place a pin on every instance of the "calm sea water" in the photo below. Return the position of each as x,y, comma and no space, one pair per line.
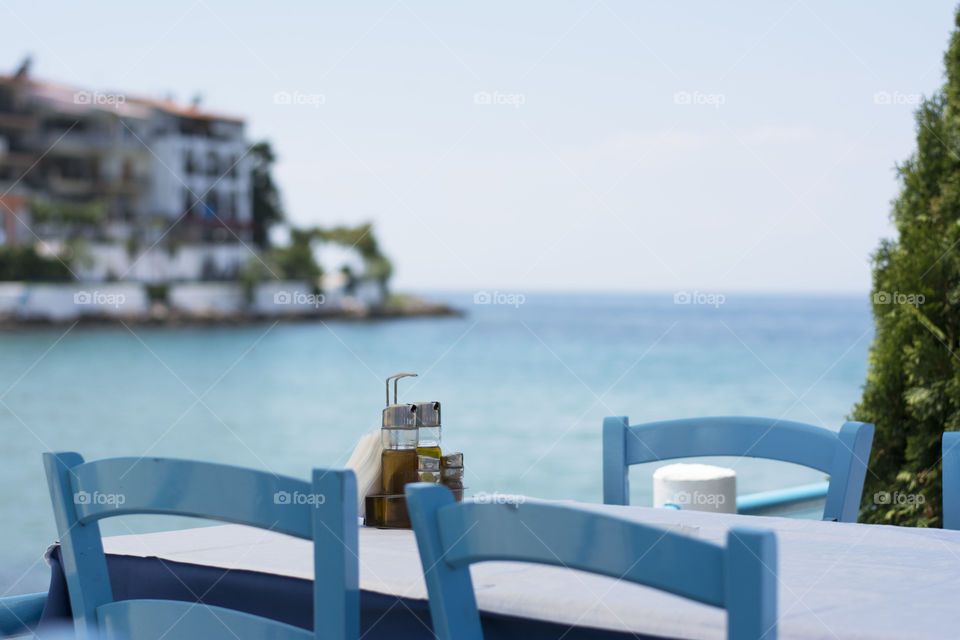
524,390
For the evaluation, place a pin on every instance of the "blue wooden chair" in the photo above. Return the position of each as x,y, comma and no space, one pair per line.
740,577
324,511
950,452
843,455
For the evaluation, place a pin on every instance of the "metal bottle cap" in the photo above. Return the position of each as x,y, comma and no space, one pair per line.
399,416
428,414
428,463
453,460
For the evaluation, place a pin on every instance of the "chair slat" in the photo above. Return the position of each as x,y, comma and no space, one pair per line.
166,619
118,486
577,539
20,614
795,442
950,450
751,574
336,597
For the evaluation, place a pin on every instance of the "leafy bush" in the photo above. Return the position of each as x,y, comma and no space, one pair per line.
25,264
158,293
297,262
63,212
912,392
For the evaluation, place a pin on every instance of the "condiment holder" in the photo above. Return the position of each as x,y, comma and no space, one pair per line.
410,435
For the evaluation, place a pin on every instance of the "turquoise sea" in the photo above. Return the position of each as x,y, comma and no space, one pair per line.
525,382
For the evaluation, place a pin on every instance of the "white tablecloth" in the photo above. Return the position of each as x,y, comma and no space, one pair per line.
836,580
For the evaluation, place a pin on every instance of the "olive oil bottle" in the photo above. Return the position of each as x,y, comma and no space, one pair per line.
398,462
398,467
398,435
428,429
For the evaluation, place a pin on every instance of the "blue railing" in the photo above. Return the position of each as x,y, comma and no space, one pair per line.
782,500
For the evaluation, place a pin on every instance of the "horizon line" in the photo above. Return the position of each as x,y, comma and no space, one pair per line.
656,291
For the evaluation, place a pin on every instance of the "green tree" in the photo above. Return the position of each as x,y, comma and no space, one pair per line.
296,261
361,238
267,207
73,221
912,392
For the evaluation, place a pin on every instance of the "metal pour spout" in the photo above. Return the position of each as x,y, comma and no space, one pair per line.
396,378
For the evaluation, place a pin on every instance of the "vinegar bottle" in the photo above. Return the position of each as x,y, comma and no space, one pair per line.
428,429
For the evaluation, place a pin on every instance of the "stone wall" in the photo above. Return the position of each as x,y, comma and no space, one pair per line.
66,302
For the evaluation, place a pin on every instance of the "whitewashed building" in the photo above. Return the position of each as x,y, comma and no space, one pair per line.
200,168
165,175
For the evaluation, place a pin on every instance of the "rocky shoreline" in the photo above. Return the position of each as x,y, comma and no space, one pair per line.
162,315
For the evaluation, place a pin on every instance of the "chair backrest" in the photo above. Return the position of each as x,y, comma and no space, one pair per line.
950,453
740,577
843,455
324,510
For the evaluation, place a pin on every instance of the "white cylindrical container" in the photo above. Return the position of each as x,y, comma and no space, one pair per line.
696,487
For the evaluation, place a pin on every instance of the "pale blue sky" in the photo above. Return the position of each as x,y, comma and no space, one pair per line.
584,172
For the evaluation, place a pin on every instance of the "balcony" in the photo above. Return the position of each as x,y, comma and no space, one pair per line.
97,142
14,120
71,186
126,184
17,158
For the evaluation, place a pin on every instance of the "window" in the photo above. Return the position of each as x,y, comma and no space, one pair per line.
187,201
210,205
232,205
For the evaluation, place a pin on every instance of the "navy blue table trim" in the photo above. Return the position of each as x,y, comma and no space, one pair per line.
285,599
